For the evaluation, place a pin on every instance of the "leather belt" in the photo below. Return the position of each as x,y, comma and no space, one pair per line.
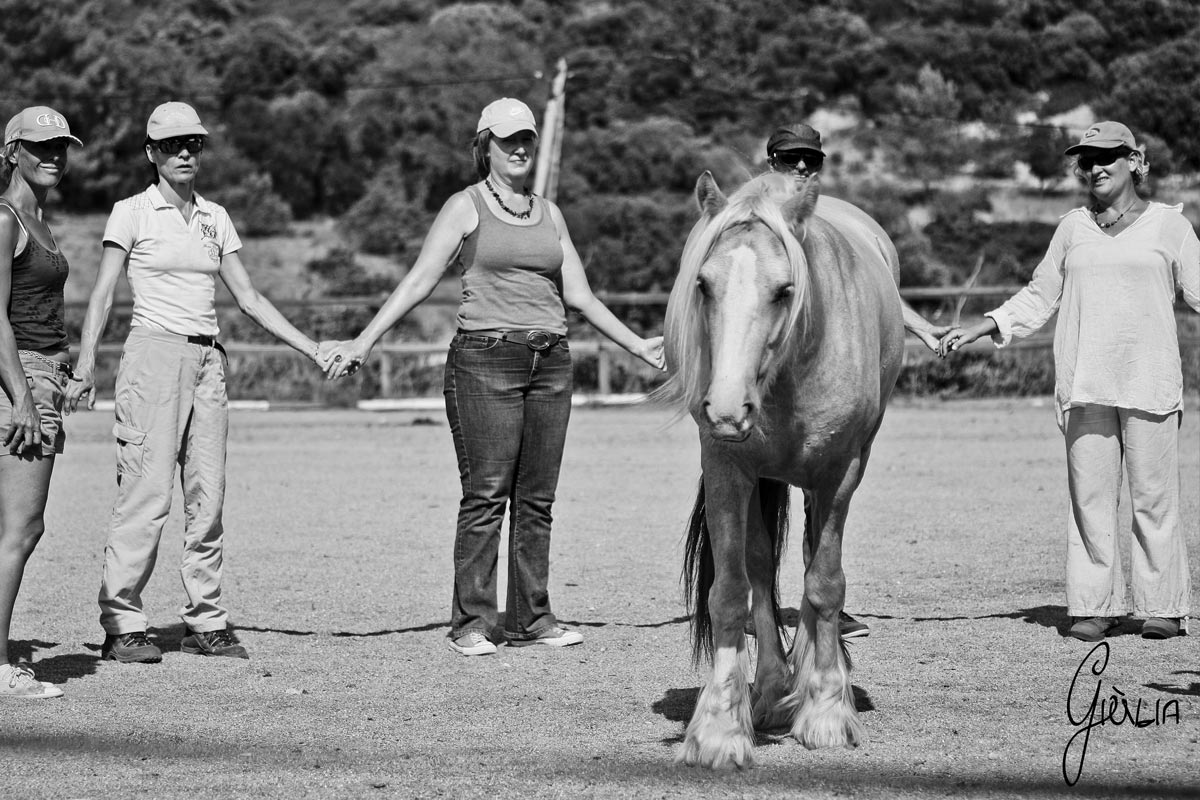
534,340
201,339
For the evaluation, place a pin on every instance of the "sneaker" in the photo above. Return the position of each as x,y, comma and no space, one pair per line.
850,628
212,643
129,648
1160,628
473,643
1091,629
17,680
552,637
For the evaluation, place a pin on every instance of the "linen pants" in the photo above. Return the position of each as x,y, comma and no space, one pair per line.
171,408
508,408
1099,438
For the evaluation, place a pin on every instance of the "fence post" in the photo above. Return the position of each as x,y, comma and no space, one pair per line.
385,374
603,370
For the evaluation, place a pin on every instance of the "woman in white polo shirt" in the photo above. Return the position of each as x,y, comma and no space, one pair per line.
1112,272
171,404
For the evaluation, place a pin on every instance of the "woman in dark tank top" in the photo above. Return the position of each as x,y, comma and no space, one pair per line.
508,375
33,358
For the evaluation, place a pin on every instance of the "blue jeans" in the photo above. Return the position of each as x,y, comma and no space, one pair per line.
508,408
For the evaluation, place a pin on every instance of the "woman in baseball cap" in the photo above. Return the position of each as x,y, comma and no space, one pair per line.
508,375
33,357
1112,272
173,244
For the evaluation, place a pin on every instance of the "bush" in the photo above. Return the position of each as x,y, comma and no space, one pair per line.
255,208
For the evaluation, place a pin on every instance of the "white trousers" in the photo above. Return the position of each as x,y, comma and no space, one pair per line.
1103,443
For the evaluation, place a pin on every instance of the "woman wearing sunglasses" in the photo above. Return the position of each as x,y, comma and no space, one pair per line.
33,358
171,404
1112,272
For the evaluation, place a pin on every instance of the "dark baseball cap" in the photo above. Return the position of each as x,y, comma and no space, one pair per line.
795,137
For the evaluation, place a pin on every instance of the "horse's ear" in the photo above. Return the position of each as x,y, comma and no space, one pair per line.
800,206
708,195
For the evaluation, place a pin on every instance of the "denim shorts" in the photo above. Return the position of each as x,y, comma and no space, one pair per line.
48,386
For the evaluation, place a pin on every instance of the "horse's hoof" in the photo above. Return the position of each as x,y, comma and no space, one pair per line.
735,753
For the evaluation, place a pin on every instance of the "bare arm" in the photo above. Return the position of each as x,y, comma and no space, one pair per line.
24,427
922,328
260,309
112,261
454,222
577,294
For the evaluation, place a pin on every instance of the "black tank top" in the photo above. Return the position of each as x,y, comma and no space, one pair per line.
35,305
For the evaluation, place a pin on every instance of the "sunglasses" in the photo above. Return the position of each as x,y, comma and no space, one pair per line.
173,146
793,158
1103,159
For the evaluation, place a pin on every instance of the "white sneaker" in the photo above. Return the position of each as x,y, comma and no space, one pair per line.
551,637
17,680
473,643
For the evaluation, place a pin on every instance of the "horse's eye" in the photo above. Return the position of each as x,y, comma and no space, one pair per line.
784,293
702,287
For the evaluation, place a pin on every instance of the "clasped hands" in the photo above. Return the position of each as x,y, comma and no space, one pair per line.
340,358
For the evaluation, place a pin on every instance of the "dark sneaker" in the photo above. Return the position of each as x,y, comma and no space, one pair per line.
129,648
1091,629
551,637
473,643
850,628
1160,628
212,643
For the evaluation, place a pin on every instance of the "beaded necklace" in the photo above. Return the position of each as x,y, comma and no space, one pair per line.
1106,225
518,214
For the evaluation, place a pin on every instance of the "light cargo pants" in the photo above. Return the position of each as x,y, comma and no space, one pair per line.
171,408
1102,443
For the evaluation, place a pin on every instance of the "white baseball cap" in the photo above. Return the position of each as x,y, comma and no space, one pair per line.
506,116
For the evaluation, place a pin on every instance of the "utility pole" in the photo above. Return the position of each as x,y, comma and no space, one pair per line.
545,179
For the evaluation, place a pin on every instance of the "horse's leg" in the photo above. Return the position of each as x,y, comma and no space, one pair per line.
763,529
821,693
721,733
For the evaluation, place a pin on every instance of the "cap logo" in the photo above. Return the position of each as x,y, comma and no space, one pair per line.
47,120
1091,132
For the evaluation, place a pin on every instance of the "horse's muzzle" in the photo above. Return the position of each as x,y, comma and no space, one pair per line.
730,427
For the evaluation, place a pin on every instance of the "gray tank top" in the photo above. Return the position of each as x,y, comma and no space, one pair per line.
511,274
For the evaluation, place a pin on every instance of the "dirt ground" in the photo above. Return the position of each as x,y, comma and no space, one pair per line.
339,531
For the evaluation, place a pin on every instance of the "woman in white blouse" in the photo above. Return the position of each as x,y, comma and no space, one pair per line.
1111,273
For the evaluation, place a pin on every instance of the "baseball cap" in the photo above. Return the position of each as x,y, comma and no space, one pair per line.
506,116
1104,136
38,124
795,137
174,119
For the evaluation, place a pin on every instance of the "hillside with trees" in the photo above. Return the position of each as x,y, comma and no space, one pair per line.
361,111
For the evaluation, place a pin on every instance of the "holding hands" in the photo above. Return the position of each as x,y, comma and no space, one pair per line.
957,338
339,359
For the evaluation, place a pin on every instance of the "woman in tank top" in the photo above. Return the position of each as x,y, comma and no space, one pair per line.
33,358
508,375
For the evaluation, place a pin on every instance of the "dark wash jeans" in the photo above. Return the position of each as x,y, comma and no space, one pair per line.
508,408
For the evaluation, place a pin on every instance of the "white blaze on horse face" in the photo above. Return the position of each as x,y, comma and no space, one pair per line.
742,284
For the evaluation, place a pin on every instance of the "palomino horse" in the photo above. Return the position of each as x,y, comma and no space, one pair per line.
784,339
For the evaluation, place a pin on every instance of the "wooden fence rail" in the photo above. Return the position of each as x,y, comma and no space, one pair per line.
387,354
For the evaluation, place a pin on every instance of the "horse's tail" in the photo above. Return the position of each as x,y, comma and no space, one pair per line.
698,569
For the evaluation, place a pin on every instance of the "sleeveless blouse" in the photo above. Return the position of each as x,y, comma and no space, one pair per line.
511,274
35,305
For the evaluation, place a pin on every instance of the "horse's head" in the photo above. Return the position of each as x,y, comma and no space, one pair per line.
737,300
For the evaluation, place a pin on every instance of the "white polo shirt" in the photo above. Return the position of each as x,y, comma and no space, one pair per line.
172,263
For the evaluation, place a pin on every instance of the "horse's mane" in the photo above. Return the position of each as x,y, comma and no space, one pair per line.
686,342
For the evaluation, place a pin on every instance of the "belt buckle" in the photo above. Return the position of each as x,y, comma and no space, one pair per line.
539,340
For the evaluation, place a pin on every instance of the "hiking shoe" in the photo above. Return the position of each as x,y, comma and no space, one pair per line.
17,680
552,637
1160,628
212,643
129,648
850,628
473,643
1091,629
